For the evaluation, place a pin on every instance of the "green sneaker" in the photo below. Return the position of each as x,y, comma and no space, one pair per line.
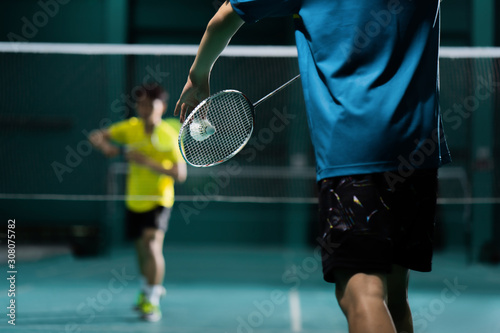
150,312
141,298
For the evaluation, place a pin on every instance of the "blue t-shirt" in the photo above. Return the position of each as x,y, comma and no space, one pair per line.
369,71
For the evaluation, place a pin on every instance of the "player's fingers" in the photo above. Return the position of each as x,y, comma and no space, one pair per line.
189,108
184,108
178,106
176,109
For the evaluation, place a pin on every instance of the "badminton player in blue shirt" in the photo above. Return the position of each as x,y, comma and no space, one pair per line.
369,71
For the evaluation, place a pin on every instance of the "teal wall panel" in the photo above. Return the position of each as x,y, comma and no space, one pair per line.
183,22
54,21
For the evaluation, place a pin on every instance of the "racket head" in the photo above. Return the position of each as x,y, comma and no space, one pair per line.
229,116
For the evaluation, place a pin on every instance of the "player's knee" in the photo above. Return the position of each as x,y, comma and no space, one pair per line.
361,306
360,293
152,242
147,239
360,301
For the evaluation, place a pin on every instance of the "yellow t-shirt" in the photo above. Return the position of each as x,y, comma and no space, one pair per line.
141,180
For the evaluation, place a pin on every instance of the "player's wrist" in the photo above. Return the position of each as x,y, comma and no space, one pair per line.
109,149
199,75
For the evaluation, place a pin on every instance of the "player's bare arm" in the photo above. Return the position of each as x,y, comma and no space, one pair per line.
178,171
218,33
100,139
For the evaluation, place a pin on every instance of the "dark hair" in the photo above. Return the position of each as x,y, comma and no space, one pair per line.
152,91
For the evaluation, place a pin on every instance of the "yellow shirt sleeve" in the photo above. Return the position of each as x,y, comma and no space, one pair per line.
119,131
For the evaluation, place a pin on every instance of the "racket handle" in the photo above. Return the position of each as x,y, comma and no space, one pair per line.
275,91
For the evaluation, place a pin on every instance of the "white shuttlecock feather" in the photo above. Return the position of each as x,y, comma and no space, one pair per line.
201,129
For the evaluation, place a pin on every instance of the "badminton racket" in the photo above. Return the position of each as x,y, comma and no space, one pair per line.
219,127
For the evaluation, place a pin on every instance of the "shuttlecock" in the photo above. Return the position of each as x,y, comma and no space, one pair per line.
201,129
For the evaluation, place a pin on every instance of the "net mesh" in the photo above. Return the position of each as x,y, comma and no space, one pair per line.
51,101
52,98
229,115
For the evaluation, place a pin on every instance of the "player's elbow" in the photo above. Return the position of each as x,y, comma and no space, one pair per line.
95,137
215,25
98,137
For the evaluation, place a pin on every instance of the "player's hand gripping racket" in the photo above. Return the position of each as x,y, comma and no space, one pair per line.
219,127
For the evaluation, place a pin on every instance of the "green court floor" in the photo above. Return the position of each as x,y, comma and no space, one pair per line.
228,290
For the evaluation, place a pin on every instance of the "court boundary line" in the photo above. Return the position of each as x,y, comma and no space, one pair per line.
295,310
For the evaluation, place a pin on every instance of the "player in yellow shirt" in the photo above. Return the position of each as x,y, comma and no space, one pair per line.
155,163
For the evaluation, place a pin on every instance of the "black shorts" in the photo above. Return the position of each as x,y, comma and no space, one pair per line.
156,218
369,222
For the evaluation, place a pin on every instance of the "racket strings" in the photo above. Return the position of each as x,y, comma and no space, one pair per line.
231,115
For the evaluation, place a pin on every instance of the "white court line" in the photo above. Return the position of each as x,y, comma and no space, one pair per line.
295,312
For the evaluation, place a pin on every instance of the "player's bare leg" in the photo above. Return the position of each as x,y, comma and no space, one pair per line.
362,298
141,255
151,249
397,297
150,254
